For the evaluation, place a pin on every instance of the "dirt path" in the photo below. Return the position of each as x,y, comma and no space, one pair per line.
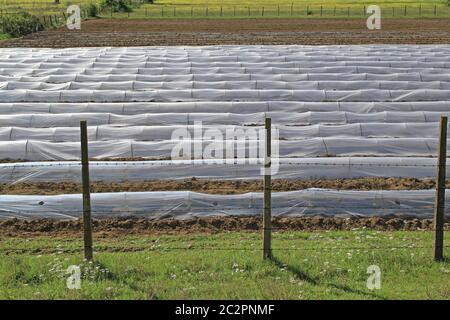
219,187
129,32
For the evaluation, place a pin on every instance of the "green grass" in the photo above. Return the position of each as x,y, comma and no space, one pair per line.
216,9
322,265
4,36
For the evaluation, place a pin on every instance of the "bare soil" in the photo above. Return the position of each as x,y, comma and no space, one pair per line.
219,186
120,226
148,32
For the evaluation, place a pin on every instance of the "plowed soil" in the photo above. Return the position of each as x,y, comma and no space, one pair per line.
218,187
118,226
141,32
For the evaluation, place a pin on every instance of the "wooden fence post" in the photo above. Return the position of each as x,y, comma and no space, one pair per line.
439,206
87,220
267,218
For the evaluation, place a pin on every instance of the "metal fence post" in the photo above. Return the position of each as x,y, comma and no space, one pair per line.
87,220
267,218
439,206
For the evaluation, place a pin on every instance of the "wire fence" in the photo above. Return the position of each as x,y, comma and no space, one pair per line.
293,11
208,206
282,11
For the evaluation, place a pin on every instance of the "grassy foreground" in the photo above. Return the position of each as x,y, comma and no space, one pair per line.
320,265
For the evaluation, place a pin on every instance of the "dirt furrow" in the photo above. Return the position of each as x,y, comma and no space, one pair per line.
149,32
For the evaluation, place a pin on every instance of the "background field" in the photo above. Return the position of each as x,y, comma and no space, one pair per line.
234,8
321,265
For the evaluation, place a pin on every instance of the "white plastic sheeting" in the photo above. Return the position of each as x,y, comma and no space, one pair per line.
250,169
158,133
157,119
33,150
371,110
173,95
348,100
136,108
229,85
185,204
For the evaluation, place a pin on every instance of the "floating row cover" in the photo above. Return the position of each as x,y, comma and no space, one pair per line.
156,119
232,169
227,85
185,204
366,102
231,64
159,133
83,95
254,72
135,108
215,77
33,150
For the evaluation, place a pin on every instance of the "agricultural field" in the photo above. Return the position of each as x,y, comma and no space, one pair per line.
156,123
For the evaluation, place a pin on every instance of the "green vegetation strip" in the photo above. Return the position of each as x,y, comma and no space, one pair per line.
320,265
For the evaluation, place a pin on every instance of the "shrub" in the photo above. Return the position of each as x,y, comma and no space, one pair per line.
92,10
21,24
117,5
